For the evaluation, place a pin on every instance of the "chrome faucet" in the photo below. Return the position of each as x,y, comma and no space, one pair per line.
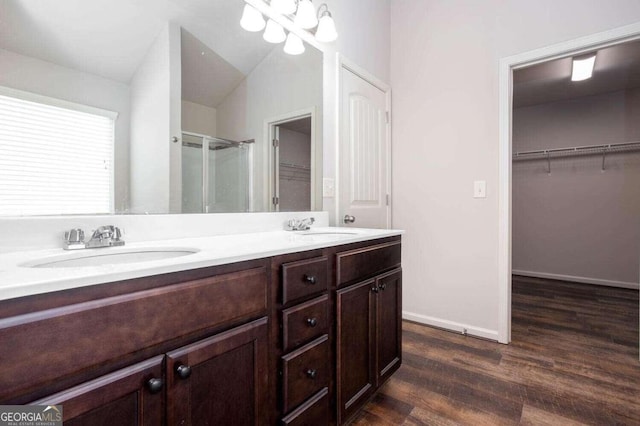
104,236
300,224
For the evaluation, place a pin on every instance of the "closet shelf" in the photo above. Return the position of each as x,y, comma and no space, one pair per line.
295,166
603,150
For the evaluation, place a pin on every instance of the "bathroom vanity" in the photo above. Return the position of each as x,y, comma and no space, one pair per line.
302,332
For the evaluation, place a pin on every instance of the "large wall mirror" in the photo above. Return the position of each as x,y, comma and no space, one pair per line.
153,106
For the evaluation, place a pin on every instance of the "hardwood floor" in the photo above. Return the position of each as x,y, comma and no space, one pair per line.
573,360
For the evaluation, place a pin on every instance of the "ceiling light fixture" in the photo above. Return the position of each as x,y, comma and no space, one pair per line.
306,16
294,45
274,33
583,67
252,20
326,31
284,7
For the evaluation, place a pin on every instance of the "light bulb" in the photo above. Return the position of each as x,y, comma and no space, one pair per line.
306,15
294,45
583,68
274,32
251,20
326,31
284,7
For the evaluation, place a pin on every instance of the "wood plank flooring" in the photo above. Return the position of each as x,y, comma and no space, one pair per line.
573,360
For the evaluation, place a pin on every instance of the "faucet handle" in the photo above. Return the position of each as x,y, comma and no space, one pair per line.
74,236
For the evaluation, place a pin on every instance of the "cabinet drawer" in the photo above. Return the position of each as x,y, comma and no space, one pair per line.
367,261
304,278
67,340
304,372
314,412
304,322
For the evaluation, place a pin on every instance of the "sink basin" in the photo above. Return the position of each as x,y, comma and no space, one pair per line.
100,257
328,233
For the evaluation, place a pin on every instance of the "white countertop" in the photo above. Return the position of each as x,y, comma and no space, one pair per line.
17,280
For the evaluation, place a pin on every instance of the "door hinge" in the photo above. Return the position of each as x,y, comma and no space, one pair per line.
388,116
275,201
276,143
388,197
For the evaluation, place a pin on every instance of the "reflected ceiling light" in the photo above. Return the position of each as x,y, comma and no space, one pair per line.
583,67
284,7
306,15
326,31
294,45
251,20
274,33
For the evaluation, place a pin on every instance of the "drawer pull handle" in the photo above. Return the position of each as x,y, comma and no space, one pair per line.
310,279
312,322
183,371
311,373
155,385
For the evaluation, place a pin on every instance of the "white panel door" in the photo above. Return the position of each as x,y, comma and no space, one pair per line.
364,154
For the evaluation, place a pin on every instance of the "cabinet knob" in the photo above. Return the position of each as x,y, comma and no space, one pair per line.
382,286
311,373
375,289
312,322
183,371
310,279
155,385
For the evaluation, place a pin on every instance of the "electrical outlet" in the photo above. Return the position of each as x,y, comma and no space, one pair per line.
328,187
480,189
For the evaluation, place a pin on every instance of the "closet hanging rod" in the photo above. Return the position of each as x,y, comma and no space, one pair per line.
591,149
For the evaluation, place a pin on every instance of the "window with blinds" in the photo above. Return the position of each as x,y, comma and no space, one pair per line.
55,157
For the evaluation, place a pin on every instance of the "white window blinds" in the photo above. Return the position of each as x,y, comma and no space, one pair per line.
55,157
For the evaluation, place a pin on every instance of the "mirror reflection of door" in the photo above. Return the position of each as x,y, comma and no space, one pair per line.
292,165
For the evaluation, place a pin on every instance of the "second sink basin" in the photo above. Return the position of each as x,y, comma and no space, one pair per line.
108,256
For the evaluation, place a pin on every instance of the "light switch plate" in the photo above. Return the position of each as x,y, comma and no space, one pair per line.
328,187
480,189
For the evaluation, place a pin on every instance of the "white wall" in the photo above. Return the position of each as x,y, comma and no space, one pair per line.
198,118
151,130
48,79
578,223
444,73
280,84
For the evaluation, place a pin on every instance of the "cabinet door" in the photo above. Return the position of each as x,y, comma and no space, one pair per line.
388,325
131,396
355,352
221,380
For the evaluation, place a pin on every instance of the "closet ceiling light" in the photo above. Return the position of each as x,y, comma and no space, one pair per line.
326,31
274,33
306,15
251,20
294,45
284,7
583,67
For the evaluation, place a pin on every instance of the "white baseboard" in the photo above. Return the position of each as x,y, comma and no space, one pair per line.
571,278
451,326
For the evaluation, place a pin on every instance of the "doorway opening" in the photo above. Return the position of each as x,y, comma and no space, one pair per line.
569,173
292,163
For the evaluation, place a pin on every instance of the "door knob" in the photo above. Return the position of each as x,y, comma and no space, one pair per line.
183,371
155,385
349,218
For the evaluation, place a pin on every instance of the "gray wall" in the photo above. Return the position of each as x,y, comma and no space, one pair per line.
578,223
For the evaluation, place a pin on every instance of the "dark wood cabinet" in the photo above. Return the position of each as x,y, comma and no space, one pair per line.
388,325
355,346
301,338
221,380
131,396
368,339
